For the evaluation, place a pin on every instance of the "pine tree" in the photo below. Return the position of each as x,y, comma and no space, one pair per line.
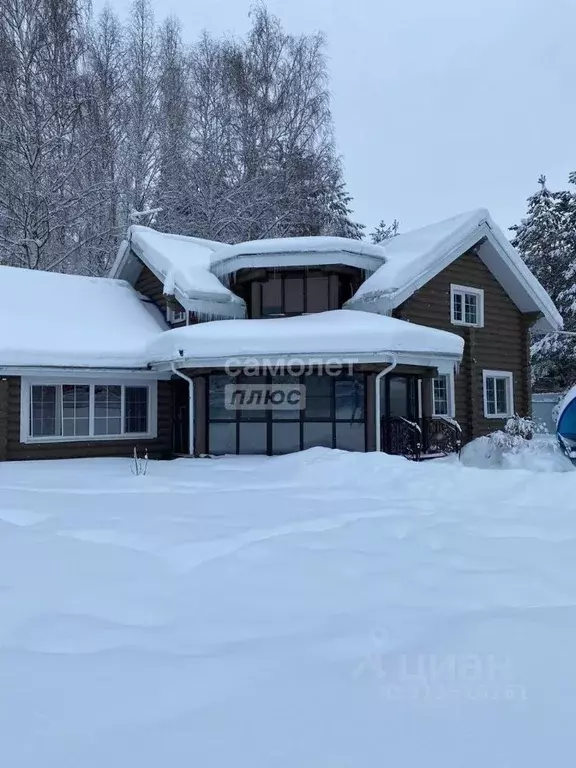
384,231
546,239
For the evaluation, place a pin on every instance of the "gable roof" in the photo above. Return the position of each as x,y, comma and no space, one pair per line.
183,266
413,259
53,319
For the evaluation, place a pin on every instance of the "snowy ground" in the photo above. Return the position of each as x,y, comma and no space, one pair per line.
320,610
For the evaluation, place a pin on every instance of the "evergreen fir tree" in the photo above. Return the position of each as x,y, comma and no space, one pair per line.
384,231
546,239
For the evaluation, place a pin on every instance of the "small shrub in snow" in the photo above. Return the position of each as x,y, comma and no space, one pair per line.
139,465
520,445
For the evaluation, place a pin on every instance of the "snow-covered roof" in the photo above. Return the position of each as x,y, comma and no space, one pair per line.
296,252
341,334
414,258
51,319
183,265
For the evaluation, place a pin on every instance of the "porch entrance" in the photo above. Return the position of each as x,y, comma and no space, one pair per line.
405,429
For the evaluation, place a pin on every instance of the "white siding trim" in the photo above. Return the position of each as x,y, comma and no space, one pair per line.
462,289
451,396
508,376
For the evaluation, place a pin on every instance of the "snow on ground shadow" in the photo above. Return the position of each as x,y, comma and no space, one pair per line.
319,609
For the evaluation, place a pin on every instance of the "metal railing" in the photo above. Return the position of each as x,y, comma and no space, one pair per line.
423,438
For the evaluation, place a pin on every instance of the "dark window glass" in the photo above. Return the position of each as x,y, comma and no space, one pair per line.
285,437
252,437
440,384
44,412
318,397
317,433
75,410
293,295
349,393
258,410
216,402
222,438
399,396
501,396
471,308
457,302
287,412
135,409
272,297
107,410
350,437
317,294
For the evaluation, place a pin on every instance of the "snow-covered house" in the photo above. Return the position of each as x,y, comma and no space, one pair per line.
196,347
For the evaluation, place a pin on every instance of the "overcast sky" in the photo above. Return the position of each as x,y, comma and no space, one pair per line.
439,106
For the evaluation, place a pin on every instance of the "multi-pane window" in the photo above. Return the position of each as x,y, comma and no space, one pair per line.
75,410
107,410
498,394
296,292
83,411
45,413
334,416
442,394
177,315
467,306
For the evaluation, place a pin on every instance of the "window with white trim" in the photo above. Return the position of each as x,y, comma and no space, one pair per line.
443,395
66,411
467,306
176,315
498,394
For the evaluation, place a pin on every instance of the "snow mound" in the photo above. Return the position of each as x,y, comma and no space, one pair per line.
319,610
542,454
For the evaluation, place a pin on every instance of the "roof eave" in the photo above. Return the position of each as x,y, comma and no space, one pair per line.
425,359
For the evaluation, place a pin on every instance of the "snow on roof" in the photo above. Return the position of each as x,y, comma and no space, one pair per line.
52,319
181,262
340,333
414,258
297,251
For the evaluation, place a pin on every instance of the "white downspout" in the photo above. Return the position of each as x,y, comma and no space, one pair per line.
190,406
378,408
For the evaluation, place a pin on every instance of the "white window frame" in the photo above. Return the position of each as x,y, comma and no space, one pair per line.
508,376
29,382
173,315
462,290
451,397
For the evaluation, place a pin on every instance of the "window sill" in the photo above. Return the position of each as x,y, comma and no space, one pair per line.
461,323
86,439
498,416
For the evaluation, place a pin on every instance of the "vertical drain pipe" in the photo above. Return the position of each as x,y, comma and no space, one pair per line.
190,406
378,408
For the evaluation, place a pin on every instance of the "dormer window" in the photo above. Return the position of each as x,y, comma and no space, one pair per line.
467,306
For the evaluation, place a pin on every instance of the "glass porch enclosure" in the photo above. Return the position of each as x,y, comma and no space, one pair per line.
333,415
338,412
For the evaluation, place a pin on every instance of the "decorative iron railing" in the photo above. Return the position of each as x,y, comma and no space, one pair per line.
428,437
401,437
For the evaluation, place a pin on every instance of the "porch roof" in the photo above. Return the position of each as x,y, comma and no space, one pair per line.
340,335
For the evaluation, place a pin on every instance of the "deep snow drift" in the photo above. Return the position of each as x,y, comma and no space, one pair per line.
316,610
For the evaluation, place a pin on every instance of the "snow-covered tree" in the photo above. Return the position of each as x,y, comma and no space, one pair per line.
546,239
384,231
